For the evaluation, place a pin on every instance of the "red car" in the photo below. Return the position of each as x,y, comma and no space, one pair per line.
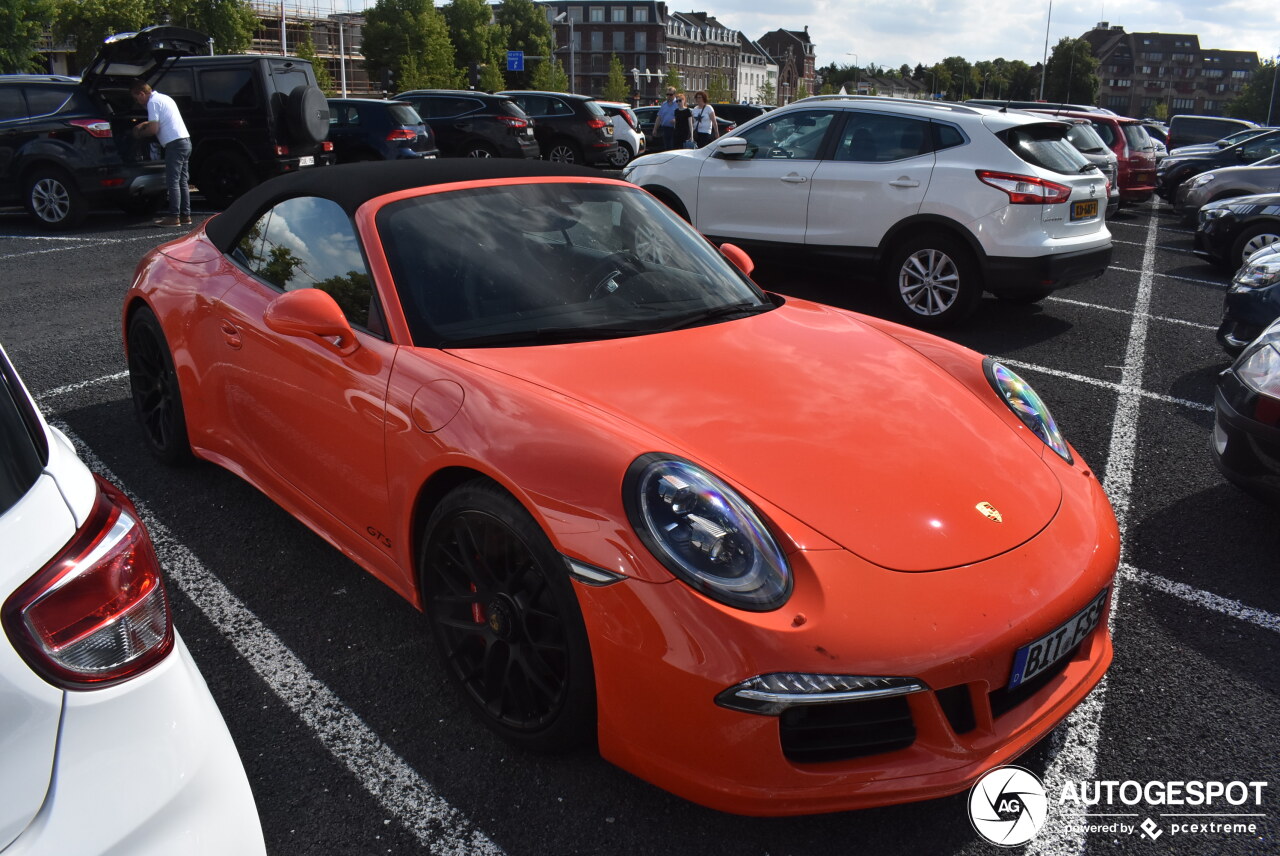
1133,147
775,557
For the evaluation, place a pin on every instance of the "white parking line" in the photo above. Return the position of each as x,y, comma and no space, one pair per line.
1107,384
1076,755
1163,318
156,237
390,779
1207,600
1218,283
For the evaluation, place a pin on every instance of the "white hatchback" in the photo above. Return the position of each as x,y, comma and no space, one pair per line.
938,201
626,131
109,739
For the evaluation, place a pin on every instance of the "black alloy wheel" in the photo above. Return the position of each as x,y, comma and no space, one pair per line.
481,150
564,151
157,401
506,620
224,177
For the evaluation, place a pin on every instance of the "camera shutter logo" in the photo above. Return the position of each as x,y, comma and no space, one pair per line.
1007,806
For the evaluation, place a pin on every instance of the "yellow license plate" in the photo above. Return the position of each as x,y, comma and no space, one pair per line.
1084,210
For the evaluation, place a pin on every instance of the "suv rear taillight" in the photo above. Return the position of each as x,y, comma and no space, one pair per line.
597,122
628,117
100,128
96,614
402,134
282,151
514,121
1026,189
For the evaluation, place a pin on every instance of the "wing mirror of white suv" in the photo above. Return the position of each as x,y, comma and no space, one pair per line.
730,147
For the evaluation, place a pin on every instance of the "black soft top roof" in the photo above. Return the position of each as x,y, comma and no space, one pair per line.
351,185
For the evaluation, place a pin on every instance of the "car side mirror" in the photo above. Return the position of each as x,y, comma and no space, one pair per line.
730,147
309,313
739,257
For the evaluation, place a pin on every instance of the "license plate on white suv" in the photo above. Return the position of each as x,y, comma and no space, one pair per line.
1031,660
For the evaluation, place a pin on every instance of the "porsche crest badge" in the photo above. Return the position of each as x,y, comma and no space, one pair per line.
990,512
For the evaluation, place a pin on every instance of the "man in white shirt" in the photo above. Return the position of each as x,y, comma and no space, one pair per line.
164,122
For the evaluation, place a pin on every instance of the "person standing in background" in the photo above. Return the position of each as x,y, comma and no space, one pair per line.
664,124
704,120
683,136
164,122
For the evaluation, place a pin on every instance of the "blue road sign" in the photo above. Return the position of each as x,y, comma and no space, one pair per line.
515,60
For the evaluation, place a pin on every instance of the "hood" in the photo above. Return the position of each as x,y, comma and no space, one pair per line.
126,57
835,423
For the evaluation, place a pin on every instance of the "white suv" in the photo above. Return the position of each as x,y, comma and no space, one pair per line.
940,201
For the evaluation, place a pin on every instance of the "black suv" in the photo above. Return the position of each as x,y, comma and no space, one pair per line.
250,118
1177,168
474,124
66,144
569,128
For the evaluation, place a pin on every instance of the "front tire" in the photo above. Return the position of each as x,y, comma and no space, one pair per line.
933,281
223,177
52,197
157,400
506,620
1250,241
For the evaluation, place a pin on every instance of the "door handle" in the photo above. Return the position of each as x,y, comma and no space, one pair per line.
794,179
904,182
231,333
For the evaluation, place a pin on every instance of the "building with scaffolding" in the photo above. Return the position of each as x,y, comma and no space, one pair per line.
334,31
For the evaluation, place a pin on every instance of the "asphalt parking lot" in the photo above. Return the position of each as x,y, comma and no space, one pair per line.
354,743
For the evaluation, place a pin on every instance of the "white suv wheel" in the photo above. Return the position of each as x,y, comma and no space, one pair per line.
935,281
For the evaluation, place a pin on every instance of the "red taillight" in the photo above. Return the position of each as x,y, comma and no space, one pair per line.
514,121
97,614
628,117
402,134
597,122
282,151
111,182
326,146
100,128
1026,189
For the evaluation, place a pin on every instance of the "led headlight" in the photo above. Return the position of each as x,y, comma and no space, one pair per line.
1026,405
773,693
705,533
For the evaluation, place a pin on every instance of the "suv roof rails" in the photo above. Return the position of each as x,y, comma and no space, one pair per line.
918,102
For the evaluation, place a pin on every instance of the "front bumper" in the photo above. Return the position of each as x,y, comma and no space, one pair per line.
1009,275
146,768
1246,451
662,653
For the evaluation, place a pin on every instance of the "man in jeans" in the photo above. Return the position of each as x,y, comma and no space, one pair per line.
664,123
165,123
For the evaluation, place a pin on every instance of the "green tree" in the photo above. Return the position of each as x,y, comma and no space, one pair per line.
616,87
718,91
410,38
1255,101
549,76
478,39
1072,73
85,23
768,93
230,23
305,48
673,80
22,24
526,29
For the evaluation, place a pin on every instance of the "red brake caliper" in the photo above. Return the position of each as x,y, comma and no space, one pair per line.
477,611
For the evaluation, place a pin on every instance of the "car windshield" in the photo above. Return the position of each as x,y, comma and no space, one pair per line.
553,262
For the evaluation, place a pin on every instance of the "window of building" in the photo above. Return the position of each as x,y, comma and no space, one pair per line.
1240,75
597,41
1114,101
640,15
619,41
575,14
618,14
597,14
1183,104
642,39
1119,83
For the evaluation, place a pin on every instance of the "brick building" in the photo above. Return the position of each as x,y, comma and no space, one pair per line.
1139,71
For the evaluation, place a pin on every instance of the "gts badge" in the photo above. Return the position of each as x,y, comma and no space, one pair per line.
378,536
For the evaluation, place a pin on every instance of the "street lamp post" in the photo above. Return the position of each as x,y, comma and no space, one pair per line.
1044,64
1275,72
565,17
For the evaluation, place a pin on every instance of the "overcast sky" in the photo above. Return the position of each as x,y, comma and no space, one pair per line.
892,32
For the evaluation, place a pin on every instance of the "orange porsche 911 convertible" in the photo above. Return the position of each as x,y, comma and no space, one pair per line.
775,557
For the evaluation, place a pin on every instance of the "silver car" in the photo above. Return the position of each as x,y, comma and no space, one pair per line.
1260,177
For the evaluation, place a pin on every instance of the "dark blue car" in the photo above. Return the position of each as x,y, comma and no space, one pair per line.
363,129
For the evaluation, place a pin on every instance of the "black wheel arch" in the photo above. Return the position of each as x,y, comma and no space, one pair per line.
669,198
930,224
